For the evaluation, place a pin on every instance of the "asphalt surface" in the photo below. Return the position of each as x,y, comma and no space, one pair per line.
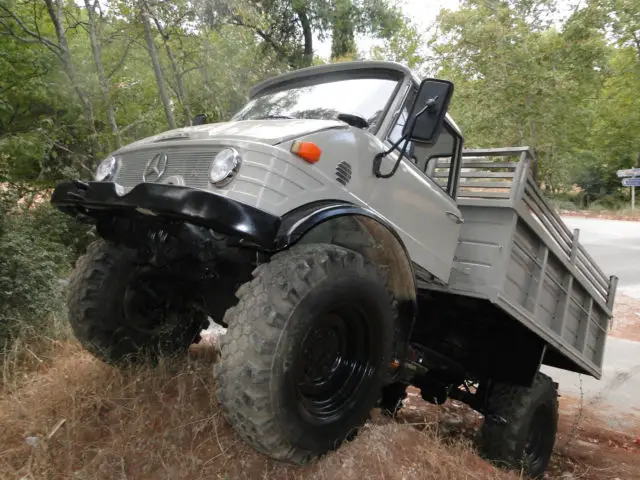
615,246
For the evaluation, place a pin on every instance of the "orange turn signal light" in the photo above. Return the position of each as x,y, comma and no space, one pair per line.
306,150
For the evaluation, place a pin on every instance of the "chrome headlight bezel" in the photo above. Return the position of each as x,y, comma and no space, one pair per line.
224,167
106,169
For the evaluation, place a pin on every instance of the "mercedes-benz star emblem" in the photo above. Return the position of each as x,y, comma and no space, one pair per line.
155,167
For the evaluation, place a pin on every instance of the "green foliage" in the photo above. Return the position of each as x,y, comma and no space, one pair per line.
610,202
36,252
561,89
343,40
616,126
405,45
594,178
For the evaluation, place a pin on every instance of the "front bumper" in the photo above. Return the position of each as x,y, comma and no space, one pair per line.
221,214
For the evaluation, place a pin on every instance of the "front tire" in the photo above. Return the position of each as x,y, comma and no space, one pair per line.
521,431
306,351
124,311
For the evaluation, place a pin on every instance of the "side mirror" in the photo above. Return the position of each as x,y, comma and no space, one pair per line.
428,111
199,119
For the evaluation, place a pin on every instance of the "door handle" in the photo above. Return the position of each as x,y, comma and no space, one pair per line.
455,217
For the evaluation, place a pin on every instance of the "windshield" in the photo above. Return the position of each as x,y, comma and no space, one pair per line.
364,97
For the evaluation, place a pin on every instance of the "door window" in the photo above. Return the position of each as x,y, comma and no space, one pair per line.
432,160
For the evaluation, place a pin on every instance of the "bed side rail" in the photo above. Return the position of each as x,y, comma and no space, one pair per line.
502,177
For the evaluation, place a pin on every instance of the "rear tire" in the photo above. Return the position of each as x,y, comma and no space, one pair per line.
526,437
124,311
306,351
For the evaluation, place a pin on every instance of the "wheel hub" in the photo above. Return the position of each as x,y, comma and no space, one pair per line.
334,359
324,354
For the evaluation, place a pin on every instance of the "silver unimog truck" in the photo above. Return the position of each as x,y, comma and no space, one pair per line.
351,247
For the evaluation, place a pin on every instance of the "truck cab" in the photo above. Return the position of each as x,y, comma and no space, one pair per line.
376,100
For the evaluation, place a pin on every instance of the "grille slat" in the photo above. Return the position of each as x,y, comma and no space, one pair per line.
190,164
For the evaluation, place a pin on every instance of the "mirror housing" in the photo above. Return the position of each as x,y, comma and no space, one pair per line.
428,111
199,119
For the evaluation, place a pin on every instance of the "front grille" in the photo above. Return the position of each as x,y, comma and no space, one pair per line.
192,164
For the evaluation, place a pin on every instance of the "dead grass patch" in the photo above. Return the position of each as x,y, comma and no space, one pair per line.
79,418
76,417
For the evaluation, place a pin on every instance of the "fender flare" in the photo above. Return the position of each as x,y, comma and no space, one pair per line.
298,222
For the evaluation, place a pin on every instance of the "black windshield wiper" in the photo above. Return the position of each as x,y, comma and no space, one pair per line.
274,117
353,120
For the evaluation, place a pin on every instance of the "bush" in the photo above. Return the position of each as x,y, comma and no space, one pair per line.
609,202
566,201
38,247
566,205
597,178
56,227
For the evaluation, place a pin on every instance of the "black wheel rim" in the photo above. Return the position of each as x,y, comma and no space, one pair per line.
539,439
335,358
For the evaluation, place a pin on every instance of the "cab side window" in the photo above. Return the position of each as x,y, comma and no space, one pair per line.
396,131
433,160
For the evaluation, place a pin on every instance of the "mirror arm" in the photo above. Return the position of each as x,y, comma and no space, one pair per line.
377,160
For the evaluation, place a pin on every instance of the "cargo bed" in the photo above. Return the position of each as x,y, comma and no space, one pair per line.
515,252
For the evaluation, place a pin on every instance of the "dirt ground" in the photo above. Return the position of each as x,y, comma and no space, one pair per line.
75,417
79,418
605,215
626,319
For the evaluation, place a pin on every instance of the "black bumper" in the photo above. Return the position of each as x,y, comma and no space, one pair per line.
229,217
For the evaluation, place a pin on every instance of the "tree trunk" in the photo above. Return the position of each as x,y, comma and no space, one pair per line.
182,97
153,53
54,9
307,58
636,40
96,50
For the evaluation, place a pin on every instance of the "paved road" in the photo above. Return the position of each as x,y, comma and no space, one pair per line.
615,246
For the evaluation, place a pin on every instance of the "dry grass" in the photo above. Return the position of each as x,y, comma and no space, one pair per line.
75,417
164,423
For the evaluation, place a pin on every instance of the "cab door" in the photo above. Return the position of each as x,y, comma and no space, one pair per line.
420,209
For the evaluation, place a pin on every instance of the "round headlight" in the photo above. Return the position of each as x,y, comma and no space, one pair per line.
224,167
106,169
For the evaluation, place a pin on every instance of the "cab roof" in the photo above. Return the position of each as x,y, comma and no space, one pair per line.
375,68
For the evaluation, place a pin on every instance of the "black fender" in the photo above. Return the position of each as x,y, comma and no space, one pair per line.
375,238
